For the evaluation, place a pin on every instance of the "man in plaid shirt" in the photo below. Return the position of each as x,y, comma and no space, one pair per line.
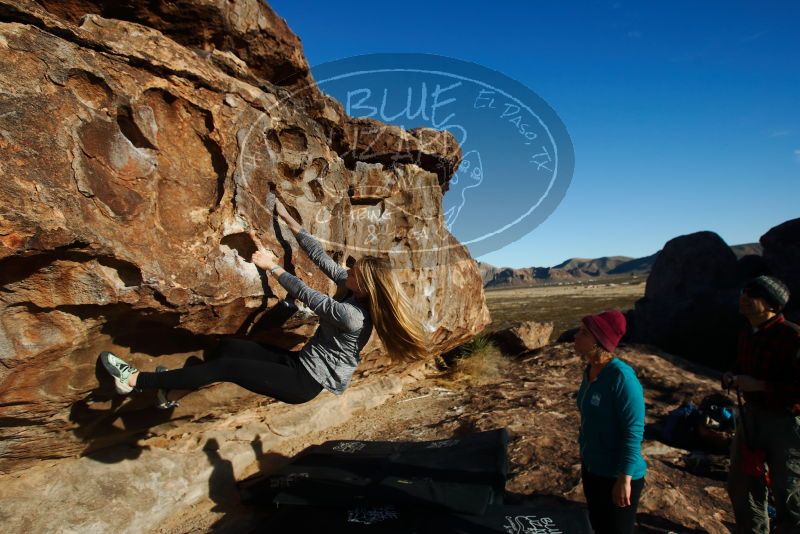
767,373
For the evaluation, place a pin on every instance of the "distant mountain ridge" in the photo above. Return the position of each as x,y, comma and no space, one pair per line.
581,269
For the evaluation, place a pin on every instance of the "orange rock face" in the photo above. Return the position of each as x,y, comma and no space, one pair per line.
136,157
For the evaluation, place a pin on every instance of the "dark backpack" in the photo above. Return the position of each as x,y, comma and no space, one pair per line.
679,426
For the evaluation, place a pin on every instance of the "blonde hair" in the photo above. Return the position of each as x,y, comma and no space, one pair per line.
393,316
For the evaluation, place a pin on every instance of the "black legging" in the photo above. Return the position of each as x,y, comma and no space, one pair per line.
605,516
269,371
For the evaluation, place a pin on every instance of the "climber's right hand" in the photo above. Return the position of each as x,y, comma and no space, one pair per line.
283,213
280,209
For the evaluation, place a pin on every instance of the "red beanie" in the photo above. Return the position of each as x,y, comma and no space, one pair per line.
607,327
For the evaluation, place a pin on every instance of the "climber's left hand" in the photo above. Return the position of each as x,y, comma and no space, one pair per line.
263,257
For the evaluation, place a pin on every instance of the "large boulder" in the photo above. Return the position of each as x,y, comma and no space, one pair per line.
782,256
691,306
690,302
690,264
241,36
135,160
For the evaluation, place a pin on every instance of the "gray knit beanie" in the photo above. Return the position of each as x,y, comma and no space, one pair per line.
770,289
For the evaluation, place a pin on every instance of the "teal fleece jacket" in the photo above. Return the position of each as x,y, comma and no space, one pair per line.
612,422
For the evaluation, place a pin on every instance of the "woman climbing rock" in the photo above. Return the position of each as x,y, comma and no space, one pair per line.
328,360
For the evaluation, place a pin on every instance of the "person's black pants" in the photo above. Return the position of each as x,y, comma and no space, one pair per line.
269,371
605,516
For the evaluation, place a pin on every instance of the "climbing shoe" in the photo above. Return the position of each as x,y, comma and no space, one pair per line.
119,370
163,402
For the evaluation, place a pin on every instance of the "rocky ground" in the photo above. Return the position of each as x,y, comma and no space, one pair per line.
534,398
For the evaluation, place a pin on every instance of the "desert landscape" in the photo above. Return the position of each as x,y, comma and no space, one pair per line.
563,305
140,142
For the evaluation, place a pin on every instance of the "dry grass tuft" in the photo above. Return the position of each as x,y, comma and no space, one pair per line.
477,362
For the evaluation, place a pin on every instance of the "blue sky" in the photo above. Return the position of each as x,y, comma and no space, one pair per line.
684,116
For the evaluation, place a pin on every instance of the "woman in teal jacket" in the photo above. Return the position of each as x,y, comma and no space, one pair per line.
611,403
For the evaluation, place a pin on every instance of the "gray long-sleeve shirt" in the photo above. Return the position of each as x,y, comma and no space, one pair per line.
332,354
